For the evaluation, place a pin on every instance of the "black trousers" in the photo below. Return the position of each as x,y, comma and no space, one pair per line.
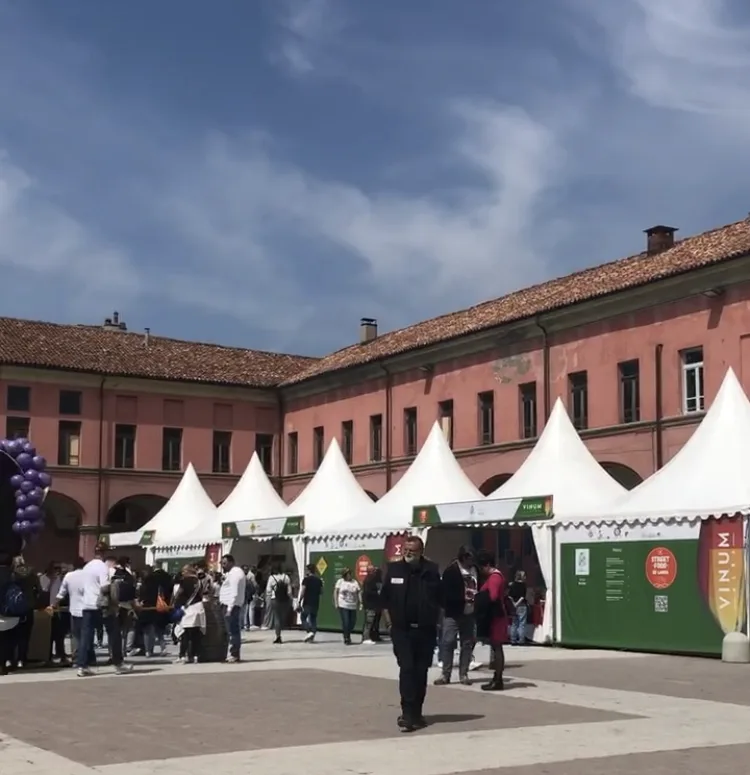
414,649
60,625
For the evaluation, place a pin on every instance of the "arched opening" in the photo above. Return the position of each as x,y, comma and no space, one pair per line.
133,512
58,542
493,483
372,495
623,474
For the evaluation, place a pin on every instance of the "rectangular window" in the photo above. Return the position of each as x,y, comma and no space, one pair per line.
445,413
319,441
578,386
70,402
347,440
264,448
376,438
125,446
69,443
486,418
18,398
630,391
17,427
292,452
527,393
693,399
222,452
171,449
410,431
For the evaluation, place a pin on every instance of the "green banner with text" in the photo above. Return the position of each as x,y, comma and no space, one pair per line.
490,511
277,526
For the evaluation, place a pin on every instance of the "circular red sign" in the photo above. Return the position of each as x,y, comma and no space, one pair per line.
661,568
361,566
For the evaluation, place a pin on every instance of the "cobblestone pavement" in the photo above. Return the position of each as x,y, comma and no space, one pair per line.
326,708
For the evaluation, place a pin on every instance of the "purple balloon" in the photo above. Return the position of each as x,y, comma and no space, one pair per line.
15,481
31,475
28,448
13,447
39,462
21,500
36,495
17,527
24,460
26,486
20,514
45,480
25,525
32,512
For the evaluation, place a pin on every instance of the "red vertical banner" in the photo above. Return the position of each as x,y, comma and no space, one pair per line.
721,570
394,546
213,556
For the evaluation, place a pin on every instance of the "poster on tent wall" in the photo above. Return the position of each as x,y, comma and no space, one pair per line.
213,557
331,556
670,587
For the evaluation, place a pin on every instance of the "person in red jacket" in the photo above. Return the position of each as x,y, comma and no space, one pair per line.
492,617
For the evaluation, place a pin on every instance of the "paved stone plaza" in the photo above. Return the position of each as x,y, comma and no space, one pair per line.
323,709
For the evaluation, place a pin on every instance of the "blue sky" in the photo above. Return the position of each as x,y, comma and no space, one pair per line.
264,173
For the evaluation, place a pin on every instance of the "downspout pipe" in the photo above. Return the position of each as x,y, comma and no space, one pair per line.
100,461
281,408
388,434
547,387
659,400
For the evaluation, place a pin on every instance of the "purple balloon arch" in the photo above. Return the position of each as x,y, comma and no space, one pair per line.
31,482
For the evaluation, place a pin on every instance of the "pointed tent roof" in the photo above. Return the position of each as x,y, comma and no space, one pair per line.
708,476
253,498
332,496
435,476
188,507
561,465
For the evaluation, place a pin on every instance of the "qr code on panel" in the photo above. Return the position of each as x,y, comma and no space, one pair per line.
661,604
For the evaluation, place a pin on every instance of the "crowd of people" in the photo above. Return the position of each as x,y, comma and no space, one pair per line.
425,613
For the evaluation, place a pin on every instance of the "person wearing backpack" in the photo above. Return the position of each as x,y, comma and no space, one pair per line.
280,592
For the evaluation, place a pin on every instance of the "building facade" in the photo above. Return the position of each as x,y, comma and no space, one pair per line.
635,349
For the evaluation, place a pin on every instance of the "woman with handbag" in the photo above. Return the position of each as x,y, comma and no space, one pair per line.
192,617
492,617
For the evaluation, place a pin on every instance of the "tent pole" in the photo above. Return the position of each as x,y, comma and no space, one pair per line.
555,591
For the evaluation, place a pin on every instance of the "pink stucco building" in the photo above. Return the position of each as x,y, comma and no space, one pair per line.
636,348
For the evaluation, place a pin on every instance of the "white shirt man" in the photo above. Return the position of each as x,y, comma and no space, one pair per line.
232,592
95,575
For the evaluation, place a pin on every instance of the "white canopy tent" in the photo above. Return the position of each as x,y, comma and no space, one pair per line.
559,465
332,496
253,498
188,507
709,476
434,476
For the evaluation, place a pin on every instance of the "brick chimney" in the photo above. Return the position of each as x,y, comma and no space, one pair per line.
368,330
659,239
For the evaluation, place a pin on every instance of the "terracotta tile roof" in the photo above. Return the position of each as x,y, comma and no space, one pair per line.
97,350
711,247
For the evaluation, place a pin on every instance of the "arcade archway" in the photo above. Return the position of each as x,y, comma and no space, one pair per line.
623,474
493,483
59,541
133,512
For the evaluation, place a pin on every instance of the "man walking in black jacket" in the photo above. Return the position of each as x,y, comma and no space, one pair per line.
411,595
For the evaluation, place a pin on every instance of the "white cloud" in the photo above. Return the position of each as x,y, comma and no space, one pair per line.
56,252
686,55
240,204
306,26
